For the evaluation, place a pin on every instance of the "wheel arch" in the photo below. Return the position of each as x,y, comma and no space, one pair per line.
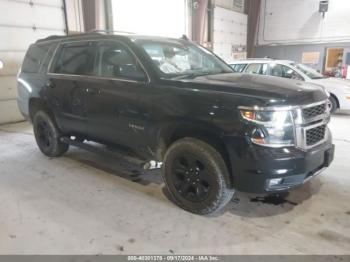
336,99
207,133
36,104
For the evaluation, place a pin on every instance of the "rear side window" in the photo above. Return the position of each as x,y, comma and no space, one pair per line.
75,59
34,58
260,69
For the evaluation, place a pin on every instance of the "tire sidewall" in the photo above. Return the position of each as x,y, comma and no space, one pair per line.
334,104
55,147
213,162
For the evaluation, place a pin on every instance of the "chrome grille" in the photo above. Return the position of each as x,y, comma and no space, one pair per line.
315,135
314,111
311,125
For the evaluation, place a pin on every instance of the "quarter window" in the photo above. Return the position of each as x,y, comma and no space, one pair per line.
77,59
34,58
116,60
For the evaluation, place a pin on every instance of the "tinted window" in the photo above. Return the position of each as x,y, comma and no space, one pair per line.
116,60
45,64
34,58
77,59
260,69
238,67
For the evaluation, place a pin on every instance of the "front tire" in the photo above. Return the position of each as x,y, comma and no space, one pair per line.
194,174
47,135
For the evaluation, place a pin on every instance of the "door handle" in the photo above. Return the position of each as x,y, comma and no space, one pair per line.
50,84
92,91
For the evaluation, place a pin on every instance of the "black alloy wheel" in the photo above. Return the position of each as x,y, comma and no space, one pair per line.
191,178
48,135
196,176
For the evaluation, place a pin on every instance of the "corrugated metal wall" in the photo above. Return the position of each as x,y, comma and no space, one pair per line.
22,22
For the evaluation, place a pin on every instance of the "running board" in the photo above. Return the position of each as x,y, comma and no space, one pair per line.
112,153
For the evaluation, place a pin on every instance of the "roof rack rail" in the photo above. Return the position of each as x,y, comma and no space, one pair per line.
54,37
109,31
51,37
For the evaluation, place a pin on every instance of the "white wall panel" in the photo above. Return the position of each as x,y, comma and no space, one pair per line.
13,59
236,5
230,29
151,17
9,111
22,23
298,21
53,3
8,88
38,16
75,16
19,39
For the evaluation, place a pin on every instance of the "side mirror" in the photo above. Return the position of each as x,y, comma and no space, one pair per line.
1,64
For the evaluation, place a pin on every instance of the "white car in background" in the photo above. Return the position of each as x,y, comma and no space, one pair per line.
339,89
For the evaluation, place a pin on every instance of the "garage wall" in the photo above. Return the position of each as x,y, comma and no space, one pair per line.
290,27
230,33
235,5
22,23
299,22
295,52
151,17
75,17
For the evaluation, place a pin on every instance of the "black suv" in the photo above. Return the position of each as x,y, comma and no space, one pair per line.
176,103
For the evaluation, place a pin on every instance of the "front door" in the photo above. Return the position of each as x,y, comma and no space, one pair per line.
114,113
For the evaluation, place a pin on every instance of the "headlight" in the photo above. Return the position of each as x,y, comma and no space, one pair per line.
271,128
327,93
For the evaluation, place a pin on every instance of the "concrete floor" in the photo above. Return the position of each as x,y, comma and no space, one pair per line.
84,204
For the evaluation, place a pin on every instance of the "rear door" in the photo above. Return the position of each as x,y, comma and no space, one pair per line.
257,68
66,87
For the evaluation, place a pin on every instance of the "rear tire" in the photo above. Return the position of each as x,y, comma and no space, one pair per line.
194,174
333,104
47,135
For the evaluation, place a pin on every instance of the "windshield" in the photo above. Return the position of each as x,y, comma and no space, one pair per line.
179,59
310,72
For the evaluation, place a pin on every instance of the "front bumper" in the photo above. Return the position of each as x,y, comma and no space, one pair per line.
344,102
253,166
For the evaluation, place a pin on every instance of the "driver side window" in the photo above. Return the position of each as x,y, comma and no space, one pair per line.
279,70
116,60
291,74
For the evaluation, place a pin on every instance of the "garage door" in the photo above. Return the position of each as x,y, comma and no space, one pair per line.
22,23
151,17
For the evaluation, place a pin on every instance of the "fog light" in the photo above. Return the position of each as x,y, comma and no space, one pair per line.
275,181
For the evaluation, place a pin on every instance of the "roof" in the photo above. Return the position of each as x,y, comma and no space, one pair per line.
111,34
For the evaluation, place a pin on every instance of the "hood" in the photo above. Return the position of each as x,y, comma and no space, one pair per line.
334,82
273,90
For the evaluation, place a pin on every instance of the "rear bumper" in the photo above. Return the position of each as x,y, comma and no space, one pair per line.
258,169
